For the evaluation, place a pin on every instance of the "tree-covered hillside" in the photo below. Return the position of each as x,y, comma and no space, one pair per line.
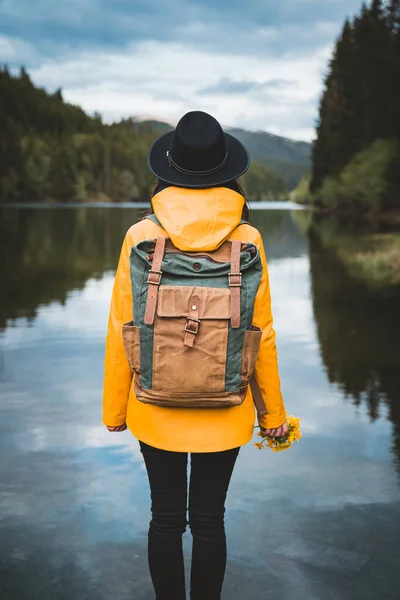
356,156
288,158
53,151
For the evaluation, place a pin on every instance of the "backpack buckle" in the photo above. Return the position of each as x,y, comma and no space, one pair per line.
195,322
154,277
235,279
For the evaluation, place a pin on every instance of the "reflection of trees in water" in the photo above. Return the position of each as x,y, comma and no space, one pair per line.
358,330
282,238
45,253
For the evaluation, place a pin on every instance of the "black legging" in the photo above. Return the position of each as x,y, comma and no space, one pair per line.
209,481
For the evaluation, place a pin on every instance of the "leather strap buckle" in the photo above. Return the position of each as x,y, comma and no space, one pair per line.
156,279
196,324
235,279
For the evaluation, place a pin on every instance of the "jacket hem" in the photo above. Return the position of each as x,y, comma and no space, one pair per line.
189,446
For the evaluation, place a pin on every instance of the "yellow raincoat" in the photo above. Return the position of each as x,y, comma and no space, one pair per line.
194,220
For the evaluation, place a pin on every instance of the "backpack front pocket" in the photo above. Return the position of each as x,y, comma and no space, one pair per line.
131,339
190,339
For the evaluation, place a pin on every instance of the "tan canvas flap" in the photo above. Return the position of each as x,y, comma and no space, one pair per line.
214,303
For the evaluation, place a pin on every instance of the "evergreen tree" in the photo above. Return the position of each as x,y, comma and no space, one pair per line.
393,16
361,99
372,46
337,138
52,150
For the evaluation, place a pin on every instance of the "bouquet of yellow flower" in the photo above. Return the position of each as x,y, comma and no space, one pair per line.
282,443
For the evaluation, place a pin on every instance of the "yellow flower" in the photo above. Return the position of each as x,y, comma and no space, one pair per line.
281,444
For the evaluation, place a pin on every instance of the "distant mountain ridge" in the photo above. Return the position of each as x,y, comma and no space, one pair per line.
262,144
288,158
52,151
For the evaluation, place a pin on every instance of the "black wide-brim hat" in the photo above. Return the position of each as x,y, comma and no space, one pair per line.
198,154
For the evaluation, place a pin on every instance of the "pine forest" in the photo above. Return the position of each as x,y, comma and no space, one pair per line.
356,154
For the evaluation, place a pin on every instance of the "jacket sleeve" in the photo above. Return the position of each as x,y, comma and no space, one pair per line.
117,374
266,369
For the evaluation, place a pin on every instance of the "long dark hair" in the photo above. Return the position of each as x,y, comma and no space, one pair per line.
232,185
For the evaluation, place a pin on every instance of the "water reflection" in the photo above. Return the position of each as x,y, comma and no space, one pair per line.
74,504
281,237
358,329
46,253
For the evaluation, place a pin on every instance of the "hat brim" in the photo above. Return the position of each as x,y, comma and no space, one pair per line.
237,163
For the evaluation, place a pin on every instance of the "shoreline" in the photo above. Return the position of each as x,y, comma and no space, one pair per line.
254,205
389,218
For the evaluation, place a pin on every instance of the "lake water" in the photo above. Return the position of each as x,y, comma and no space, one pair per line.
318,522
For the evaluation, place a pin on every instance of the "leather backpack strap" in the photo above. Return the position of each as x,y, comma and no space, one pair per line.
257,398
153,280
235,283
192,322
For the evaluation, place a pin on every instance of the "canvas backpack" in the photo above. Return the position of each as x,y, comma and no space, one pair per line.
192,343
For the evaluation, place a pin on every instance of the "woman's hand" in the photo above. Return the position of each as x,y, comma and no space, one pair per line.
277,432
117,428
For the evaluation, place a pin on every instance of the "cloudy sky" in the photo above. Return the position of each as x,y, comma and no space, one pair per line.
256,64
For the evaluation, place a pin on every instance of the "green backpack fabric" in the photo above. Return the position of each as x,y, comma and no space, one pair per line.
192,343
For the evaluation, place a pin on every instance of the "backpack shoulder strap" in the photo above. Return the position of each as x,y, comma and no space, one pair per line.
153,280
154,219
235,282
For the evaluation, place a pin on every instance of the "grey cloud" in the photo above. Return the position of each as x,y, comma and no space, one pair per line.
86,37
253,27
231,86
298,116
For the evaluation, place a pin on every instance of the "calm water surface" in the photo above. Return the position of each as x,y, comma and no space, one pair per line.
319,522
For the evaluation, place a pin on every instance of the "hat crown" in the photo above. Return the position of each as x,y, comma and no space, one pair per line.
198,144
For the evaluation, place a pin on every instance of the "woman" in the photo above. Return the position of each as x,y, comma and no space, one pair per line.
198,205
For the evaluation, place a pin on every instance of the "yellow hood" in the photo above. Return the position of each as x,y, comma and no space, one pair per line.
198,219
